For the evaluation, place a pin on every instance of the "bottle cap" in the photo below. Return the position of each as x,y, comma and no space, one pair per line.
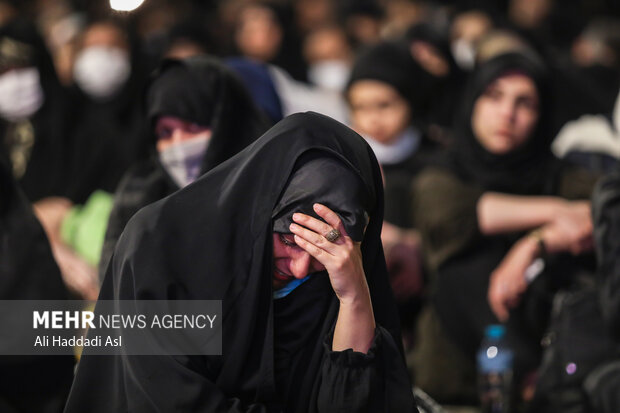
495,331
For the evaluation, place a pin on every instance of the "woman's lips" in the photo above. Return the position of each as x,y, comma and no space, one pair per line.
504,133
280,276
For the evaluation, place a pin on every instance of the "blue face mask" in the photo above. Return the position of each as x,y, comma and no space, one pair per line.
286,290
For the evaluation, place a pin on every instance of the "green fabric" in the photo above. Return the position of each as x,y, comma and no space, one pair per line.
444,211
84,227
440,368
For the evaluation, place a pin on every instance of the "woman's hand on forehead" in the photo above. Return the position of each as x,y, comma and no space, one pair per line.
341,257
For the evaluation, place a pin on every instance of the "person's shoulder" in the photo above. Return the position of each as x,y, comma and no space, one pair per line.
140,175
435,178
576,182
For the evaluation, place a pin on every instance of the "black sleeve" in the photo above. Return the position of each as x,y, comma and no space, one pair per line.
355,382
141,384
140,186
606,234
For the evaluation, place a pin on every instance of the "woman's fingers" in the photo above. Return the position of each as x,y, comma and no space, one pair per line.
318,253
318,226
496,302
330,217
321,228
342,257
313,238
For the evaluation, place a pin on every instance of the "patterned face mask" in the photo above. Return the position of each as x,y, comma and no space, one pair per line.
183,160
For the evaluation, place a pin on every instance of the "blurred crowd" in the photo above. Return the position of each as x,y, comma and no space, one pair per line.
493,122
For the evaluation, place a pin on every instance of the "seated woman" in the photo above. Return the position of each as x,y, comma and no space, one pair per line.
501,201
199,115
287,235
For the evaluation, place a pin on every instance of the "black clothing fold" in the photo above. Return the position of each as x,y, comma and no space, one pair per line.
213,240
211,96
28,384
606,217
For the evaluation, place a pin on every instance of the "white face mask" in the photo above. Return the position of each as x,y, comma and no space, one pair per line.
464,53
397,151
183,160
330,74
21,94
101,71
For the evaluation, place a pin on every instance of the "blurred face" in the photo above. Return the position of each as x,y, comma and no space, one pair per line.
378,110
102,34
182,49
326,44
363,29
291,261
170,130
506,114
529,13
258,35
429,58
470,26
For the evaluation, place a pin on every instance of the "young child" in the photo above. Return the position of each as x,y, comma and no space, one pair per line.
387,97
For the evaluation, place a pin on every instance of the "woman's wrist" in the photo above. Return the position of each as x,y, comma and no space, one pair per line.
529,247
537,237
355,326
557,207
359,295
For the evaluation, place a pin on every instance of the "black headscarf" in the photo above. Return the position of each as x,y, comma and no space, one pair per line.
213,240
28,272
529,169
202,90
391,63
313,182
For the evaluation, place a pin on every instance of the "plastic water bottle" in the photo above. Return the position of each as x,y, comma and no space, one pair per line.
495,360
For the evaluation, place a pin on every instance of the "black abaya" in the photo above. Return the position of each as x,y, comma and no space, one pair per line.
28,384
213,240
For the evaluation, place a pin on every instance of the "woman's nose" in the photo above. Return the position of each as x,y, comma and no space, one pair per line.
508,110
300,264
178,135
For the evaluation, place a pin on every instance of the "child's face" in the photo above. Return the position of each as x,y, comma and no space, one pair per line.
378,110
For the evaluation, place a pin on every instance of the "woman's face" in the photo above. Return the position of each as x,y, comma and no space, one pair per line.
506,113
291,261
170,130
102,34
378,110
259,35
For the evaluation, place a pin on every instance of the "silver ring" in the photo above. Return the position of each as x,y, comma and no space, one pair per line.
332,235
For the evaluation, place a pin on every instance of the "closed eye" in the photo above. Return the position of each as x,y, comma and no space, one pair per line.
286,241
